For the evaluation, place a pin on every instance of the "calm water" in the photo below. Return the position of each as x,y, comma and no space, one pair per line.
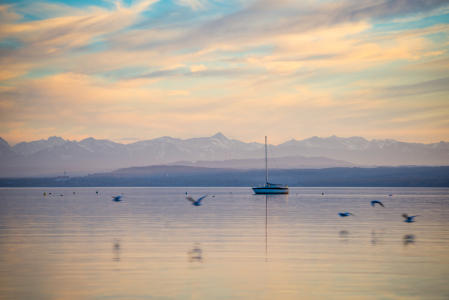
156,245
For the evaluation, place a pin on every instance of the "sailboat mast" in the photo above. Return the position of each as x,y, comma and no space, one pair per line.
266,161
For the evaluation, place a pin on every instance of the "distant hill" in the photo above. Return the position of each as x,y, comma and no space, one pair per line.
57,155
183,176
161,170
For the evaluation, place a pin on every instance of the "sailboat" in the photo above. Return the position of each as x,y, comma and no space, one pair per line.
270,188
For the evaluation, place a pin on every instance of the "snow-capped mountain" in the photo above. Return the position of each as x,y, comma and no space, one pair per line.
376,152
5,149
91,155
356,143
25,148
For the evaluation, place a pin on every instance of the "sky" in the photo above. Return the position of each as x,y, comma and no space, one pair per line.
137,70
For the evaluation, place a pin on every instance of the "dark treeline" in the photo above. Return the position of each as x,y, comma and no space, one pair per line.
331,177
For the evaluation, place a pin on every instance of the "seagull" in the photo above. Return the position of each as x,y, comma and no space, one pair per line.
346,214
195,202
117,198
409,219
378,202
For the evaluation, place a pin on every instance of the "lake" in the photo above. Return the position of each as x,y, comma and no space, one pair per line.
156,245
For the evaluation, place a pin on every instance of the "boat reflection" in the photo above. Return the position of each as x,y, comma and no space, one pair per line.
272,198
276,198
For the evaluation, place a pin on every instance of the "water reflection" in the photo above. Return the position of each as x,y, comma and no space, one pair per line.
344,236
266,227
116,250
377,238
277,198
273,198
195,255
409,239
50,248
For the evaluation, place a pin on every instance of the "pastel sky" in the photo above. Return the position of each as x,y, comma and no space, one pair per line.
133,70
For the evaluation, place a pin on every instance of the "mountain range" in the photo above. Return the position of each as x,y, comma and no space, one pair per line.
55,155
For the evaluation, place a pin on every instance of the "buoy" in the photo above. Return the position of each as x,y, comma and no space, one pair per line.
391,194
73,193
322,193
186,193
45,194
96,192
61,195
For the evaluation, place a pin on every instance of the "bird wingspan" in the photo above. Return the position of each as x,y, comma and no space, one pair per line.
345,214
191,199
373,203
199,200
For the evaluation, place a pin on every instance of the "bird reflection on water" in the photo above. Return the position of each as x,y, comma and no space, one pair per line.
344,236
195,255
409,239
116,250
377,238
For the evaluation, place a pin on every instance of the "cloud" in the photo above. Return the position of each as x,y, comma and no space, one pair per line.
52,39
194,4
266,19
7,16
431,86
178,93
197,68
286,66
158,74
56,40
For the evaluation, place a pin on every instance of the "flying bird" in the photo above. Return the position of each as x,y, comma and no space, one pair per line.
195,202
117,198
409,219
378,202
346,214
